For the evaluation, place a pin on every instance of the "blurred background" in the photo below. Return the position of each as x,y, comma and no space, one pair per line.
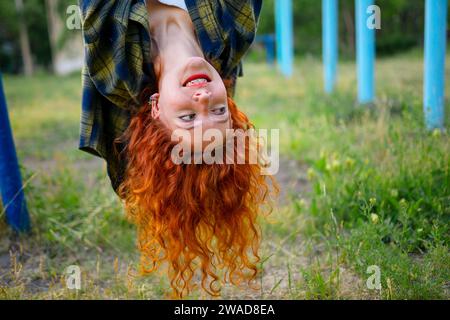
361,185
34,31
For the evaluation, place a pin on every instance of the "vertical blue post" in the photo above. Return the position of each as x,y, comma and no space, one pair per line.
435,47
365,52
270,48
330,42
268,40
13,198
284,35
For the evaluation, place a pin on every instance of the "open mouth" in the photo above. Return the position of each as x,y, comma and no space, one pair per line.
197,80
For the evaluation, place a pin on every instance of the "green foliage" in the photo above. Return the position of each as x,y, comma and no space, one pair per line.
409,195
402,26
380,182
374,190
380,177
35,17
36,23
403,276
9,30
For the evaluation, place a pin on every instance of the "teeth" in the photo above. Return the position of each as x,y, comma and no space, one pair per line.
196,81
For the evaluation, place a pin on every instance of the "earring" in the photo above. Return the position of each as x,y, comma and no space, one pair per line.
153,98
153,102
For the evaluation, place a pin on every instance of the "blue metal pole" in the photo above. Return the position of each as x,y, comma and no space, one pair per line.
365,52
435,48
270,48
268,40
284,35
330,42
13,198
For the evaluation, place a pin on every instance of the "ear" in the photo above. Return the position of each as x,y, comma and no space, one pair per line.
155,105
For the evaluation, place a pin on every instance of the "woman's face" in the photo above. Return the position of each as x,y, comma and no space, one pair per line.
192,96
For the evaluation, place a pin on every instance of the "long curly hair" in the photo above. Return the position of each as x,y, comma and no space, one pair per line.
194,217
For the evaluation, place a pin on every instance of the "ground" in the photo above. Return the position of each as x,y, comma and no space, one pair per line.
360,186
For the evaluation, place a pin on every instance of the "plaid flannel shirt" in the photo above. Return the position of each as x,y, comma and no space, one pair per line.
118,65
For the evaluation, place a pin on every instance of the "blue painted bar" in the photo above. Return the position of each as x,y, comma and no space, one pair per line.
268,40
435,48
270,49
365,52
284,36
13,198
330,42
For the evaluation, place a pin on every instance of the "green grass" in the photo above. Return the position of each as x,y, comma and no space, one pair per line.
377,192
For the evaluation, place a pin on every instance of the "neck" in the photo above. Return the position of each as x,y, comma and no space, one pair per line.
176,41
173,32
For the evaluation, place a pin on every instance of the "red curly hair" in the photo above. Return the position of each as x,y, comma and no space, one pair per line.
193,216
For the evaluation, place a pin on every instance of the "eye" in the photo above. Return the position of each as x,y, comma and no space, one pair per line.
219,111
188,117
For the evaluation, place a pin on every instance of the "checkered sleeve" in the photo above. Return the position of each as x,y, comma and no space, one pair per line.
117,67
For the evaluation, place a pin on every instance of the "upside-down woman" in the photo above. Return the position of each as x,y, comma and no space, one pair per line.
153,68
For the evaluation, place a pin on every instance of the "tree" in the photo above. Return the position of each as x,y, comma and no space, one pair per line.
24,40
52,23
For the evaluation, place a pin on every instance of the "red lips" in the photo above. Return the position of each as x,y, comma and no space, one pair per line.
195,77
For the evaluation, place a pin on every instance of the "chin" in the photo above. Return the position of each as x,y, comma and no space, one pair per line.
198,220
196,61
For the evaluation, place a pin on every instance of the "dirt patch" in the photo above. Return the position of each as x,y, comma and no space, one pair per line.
86,169
292,180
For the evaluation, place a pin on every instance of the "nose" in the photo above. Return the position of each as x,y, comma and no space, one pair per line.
202,96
